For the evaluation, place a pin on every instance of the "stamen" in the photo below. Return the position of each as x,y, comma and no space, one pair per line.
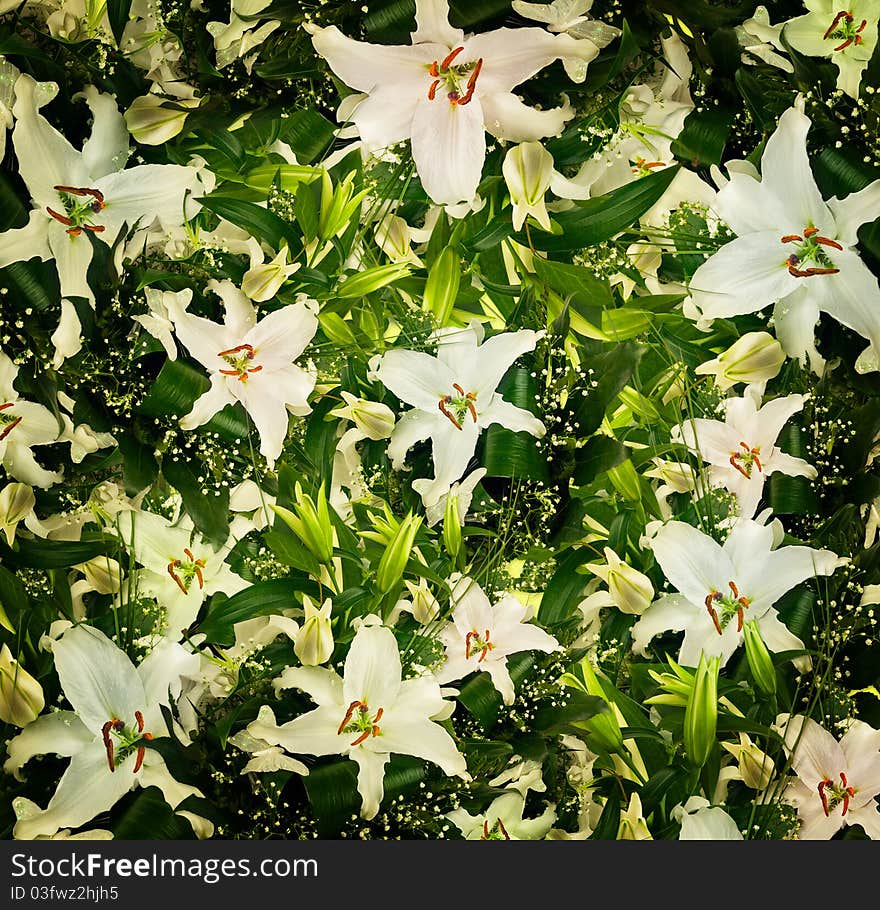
450,57
733,588
822,785
849,792
351,709
108,743
790,238
141,752
9,427
171,567
835,22
62,218
140,721
826,242
713,612
432,91
467,644
242,347
503,829
735,464
845,45
451,417
471,84
433,69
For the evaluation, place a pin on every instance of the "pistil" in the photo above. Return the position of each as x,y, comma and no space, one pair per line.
459,404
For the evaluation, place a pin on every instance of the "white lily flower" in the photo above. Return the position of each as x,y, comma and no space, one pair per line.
503,820
164,308
313,643
180,568
252,362
115,708
367,714
701,821
445,90
265,757
26,808
24,424
76,193
837,782
482,635
845,31
741,450
454,399
722,586
154,120
422,603
792,249
239,37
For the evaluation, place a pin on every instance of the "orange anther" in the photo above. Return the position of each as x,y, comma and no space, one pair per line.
450,57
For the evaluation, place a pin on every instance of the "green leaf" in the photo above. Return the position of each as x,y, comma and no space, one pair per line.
596,457
565,589
332,789
261,599
704,136
149,817
37,553
614,370
509,454
599,219
139,465
480,696
308,134
14,601
209,512
578,707
256,220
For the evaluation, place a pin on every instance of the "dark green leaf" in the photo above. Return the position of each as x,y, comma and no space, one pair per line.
261,599
209,512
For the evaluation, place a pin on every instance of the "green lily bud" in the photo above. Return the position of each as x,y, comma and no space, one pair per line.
337,205
701,714
760,661
310,521
452,526
755,357
313,643
21,696
626,480
16,502
397,553
441,288
370,280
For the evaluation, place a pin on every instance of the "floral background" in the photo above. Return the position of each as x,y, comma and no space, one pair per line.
426,420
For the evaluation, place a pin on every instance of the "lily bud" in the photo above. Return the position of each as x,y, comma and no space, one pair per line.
632,823
527,169
313,643
760,661
262,282
755,766
701,714
103,574
425,606
338,205
374,419
631,590
756,357
452,526
21,696
17,500
625,480
441,288
310,521
153,120
397,553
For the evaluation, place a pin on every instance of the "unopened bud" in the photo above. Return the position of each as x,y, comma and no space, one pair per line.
313,642
263,282
527,170
760,661
452,526
701,714
21,696
755,766
425,606
397,553
374,419
631,590
16,503
153,120
756,357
